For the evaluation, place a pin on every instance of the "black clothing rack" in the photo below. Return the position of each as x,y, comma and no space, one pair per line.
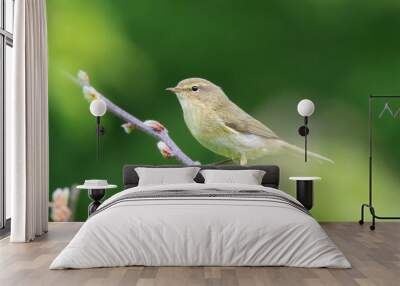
370,203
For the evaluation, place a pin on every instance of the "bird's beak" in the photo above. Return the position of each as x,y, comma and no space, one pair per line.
173,89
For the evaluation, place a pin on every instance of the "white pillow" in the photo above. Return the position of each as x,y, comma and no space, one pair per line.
247,177
165,176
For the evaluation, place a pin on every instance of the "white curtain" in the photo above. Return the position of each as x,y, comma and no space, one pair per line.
27,124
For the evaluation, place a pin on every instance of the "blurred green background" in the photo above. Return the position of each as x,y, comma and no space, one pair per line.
267,55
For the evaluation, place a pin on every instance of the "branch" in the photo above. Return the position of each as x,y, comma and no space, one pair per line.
166,145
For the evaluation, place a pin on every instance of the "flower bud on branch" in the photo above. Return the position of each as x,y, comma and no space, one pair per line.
166,152
155,125
128,127
83,78
89,93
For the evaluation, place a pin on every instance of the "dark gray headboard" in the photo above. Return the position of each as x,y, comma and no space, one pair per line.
271,177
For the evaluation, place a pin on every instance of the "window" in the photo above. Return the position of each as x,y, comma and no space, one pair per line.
6,60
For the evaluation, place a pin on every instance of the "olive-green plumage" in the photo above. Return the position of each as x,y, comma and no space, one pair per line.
223,127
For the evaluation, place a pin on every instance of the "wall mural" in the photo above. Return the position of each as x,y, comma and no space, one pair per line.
266,57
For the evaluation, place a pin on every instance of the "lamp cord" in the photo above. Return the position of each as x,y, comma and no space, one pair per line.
98,138
305,138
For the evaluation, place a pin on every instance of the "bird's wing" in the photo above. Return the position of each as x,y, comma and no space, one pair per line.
239,121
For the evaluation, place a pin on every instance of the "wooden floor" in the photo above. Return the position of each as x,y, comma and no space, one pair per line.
375,257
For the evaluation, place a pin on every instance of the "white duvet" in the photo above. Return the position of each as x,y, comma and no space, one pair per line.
200,231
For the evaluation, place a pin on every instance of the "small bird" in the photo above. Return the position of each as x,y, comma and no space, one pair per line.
223,127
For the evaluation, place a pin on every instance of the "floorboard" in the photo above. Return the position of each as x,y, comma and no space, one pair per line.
375,257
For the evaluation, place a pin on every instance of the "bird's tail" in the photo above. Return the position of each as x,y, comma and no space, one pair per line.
298,151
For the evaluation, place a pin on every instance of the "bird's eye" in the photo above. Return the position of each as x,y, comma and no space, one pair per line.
195,88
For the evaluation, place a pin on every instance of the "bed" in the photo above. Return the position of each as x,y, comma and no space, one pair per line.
198,224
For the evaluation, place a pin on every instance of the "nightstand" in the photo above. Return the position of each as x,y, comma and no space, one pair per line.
304,190
96,190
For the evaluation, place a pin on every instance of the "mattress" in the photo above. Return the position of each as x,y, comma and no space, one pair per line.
201,225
